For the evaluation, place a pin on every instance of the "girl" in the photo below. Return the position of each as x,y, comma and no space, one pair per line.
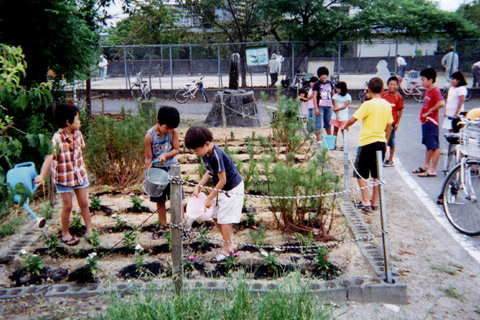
341,102
455,98
68,168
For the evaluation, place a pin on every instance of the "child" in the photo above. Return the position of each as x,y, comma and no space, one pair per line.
376,116
302,95
162,143
225,176
311,107
68,168
341,102
455,99
322,100
396,101
429,118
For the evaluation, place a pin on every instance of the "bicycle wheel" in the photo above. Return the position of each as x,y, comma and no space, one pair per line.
460,200
181,96
204,95
147,93
135,91
362,95
417,94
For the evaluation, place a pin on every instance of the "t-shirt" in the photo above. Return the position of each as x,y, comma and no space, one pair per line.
324,95
396,102
160,145
219,161
432,97
454,94
375,115
310,102
401,61
340,100
68,167
304,108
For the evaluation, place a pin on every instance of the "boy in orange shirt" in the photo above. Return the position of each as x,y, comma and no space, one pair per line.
396,101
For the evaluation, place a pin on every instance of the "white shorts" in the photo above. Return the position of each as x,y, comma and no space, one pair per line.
228,209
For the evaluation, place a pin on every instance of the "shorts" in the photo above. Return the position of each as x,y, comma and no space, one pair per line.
66,189
166,191
366,160
228,207
391,140
325,115
338,123
430,134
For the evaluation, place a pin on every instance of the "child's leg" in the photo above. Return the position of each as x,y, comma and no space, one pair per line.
162,213
365,197
226,231
65,216
82,201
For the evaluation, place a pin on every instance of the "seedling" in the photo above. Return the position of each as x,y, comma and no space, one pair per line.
92,263
33,263
130,238
136,203
94,201
76,222
139,259
271,262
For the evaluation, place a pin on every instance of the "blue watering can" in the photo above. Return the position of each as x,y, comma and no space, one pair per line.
25,173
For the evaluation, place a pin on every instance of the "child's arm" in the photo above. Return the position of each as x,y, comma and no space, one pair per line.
148,151
222,180
45,167
347,103
350,122
202,182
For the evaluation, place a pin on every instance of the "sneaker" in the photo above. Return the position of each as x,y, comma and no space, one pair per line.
388,163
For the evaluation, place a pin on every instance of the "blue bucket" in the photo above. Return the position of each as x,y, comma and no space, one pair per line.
329,142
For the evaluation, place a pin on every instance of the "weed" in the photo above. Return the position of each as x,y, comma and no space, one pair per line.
258,234
92,263
452,292
107,188
136,203
33,263
130,238
94,201
6,230
76,223
271,262
47,211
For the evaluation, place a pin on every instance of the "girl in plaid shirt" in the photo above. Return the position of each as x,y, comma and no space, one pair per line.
68,168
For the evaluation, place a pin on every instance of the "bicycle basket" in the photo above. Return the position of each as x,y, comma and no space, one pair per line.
470,140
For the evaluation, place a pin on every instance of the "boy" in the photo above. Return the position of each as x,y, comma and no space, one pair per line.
322,101
376,116
162,143
396,102
429,119
225,176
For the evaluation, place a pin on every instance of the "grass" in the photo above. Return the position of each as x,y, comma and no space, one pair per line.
10,225
452,269
452,292
290,300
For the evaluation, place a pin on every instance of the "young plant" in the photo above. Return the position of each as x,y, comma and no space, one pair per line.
231,262
76,222
120,224
251,212
188,260
203,232
92,263
32,263
168,236
130,238
271,262
51,241
232,135
321,259
94,239
258,234
305,242
136,203
139,259
94,201
47,211
452,292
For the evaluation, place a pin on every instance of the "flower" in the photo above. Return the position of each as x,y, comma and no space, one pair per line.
255,227
236,255
23,252
191,258
131,194
138,247
114,216
92,255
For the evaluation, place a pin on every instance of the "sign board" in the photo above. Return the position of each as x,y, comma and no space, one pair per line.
257,56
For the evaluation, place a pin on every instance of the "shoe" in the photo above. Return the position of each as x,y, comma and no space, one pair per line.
426,175
219,257
419,170
70,242
160,233
388,163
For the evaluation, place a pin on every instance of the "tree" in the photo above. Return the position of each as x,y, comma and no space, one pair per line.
471,12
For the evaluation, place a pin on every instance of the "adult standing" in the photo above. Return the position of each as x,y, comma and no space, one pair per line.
450,61
401,65
274,67
103,64
280,60
476,74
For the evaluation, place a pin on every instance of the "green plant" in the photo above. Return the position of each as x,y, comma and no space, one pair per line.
94,201
452,292
51,241
47,211
258,234
136,203
92,263
6,230
32,263
321,259
305,242
120,224
94,239
168,236
130,238
232,135
477,310
203,232
139,259
250,214
188,260
75,223
231,262
271,262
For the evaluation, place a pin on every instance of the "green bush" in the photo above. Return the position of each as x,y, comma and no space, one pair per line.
115,150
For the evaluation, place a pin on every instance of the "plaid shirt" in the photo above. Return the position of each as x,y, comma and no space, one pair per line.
68,167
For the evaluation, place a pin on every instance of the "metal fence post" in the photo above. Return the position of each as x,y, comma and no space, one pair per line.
383,217
345,160
219,63
293,60
127,78
339,59
171,66
176,216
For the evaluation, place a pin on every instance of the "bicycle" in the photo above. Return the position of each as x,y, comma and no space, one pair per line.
460,201
290,89
453,138
182,95
140,89
468,97
413,88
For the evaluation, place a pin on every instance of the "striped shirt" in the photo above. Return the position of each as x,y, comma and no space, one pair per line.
68,166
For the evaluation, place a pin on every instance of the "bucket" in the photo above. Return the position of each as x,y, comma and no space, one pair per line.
196,208
329,142
156,180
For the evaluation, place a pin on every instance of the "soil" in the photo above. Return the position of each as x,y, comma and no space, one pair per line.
442,279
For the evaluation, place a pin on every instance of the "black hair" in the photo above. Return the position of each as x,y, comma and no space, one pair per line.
342,85
61,113
460,77
321,71
313,79
429,73
392,78
303,90
168,116
375,85
197,137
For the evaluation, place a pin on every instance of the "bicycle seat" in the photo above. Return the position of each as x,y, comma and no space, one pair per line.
453,138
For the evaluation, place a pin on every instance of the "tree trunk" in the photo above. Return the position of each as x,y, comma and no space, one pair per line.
243,63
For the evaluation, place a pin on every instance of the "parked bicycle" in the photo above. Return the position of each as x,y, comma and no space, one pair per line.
453,151
459,190
411,86
468,97
140,89
187,92
290,88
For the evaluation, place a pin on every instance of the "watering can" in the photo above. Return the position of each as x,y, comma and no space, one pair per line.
25,173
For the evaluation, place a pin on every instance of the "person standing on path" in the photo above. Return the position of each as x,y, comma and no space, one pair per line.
401,65
476,74
455,99
274,67
433,101
322,101
450,61
396,102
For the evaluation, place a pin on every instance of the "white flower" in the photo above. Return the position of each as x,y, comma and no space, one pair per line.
92,255
125,220
114,216
141,198
139,247
23,252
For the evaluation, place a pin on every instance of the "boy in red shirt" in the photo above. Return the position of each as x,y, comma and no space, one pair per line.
429,118
396,101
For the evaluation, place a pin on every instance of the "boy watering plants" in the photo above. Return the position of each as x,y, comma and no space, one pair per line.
225,176
162,144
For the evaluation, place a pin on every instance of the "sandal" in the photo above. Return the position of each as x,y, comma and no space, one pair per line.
219,257
160,233
69,241
419,170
